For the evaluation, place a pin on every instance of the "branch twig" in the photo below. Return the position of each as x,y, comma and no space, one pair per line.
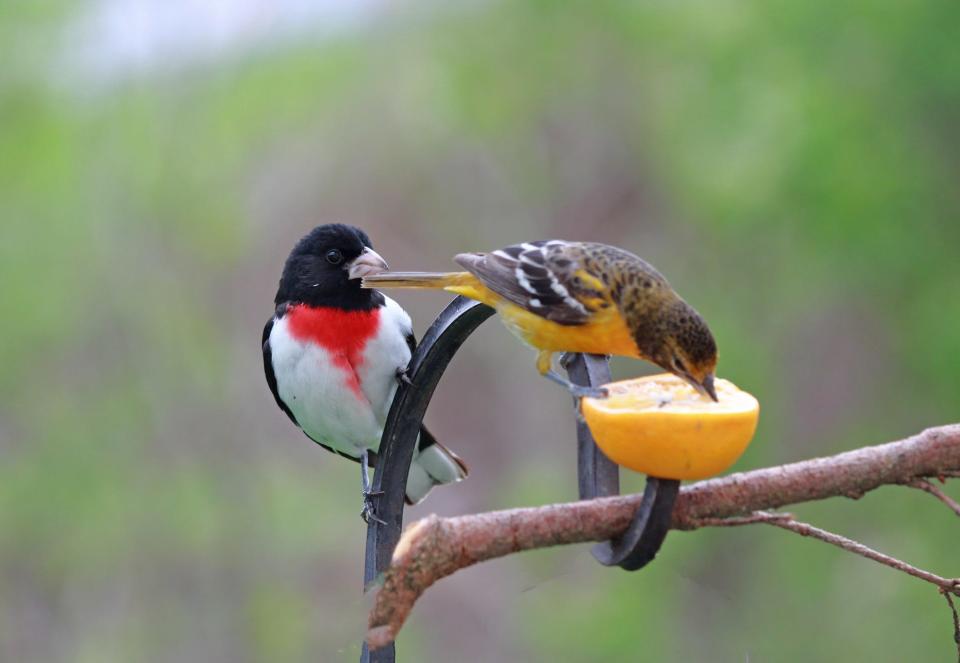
926,486
434,548
787,522
956,621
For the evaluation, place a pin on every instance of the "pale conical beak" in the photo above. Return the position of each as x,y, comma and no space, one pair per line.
366,264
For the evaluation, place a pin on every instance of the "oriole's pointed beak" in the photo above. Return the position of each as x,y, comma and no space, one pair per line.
366,264
708,387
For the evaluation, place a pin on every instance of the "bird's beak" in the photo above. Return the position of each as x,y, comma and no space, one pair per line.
704,388
366,264
708,387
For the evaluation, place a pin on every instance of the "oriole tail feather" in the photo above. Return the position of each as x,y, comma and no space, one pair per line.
435,280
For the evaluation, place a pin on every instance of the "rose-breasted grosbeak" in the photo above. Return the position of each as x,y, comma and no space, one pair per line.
333,353
580,297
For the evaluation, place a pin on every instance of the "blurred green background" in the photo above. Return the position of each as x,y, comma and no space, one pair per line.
792,167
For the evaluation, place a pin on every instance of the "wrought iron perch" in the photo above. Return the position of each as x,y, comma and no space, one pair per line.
598,476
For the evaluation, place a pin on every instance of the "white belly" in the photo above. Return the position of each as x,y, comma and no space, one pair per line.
386,353
336,403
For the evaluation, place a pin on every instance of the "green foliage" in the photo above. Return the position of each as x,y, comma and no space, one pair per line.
790,165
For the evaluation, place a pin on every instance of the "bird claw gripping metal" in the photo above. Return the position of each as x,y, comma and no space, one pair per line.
598,476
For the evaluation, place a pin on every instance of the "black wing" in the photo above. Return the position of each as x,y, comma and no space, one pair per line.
268,367
538,276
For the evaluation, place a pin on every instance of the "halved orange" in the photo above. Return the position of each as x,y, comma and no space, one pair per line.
661,426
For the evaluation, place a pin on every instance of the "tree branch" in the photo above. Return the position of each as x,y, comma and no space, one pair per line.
433,548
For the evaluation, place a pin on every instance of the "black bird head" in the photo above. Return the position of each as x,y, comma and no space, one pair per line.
325,268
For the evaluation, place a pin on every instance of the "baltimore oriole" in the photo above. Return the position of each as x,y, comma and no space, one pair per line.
560,296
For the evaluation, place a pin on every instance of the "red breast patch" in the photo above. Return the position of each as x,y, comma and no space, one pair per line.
344,334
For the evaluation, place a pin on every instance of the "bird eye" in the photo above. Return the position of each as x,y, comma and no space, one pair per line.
334,257
678,364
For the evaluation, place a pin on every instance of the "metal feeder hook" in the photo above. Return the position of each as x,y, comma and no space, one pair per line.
598,476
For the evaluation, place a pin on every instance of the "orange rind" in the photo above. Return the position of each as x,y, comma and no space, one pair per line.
660,426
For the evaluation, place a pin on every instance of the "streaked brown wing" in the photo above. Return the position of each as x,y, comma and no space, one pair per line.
538,276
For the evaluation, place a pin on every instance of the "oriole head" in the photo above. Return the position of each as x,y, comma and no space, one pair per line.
686,348
666,329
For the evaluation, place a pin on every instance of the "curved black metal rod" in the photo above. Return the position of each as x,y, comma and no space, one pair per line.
441,341
599,477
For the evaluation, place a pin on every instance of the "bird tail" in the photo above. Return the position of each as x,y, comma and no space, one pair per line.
433,465
436,280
